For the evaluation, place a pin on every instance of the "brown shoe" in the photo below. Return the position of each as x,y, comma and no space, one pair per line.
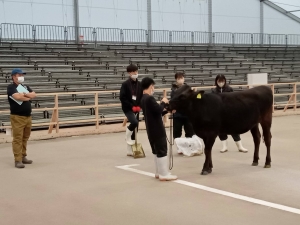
19,165
26,161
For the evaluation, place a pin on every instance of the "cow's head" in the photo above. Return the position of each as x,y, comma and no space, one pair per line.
183,98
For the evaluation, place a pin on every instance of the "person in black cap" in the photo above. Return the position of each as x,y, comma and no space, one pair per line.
19,97
130,97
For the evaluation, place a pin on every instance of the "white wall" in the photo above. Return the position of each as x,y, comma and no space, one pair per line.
128,14
240,16
181,15
43,12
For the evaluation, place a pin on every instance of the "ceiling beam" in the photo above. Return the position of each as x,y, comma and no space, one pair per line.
281,10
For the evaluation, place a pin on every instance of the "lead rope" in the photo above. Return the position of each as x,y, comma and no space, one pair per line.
171,143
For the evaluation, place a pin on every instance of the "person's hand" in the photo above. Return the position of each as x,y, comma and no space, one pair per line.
174,111
165,100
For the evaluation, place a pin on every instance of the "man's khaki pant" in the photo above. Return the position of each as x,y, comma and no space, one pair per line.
21,128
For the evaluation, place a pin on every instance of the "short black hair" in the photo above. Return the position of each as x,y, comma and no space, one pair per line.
147,82
179,75
132,68
220,77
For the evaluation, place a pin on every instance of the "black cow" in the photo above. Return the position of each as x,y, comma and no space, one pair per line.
227,113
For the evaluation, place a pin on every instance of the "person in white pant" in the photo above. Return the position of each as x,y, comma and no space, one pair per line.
221,87
153,113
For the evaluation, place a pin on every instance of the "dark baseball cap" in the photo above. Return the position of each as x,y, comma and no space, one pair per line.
17,71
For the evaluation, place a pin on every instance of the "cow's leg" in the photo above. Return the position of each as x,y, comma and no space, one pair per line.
207,167
266,126
256,138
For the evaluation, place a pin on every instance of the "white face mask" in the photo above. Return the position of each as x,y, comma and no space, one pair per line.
20,79
180,81
152,91
135,76
221,84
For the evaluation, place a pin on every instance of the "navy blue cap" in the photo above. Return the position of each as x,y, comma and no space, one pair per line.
17,71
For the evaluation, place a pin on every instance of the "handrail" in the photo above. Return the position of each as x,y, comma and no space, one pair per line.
93,35
55,120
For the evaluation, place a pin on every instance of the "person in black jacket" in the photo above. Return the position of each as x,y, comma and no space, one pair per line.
222,86
180,120
130,97
153,113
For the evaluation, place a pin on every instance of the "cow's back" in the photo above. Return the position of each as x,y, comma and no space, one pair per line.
240,110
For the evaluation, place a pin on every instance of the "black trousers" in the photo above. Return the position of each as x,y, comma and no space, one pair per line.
134,122
178,123
159,147
236,137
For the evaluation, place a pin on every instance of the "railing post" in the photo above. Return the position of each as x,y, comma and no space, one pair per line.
122,36
66,35
97,109
56,114
233,39
95,37
252,42
286,40
0,34
213,39
170,37
34,33
295,96
193,37
270,40
273,91
147,37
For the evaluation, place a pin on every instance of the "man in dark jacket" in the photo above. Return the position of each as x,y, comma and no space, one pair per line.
130,97
222,86
179,120
153,113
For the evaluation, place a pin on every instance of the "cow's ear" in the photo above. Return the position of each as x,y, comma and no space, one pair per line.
199,94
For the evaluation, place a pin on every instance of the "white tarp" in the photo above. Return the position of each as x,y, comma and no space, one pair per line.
189,146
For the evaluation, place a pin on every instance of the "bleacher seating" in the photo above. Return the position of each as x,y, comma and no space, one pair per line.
54,67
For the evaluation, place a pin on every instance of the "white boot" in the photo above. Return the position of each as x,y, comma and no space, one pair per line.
240,147
128,137
163,170
156,167
225,146
129,150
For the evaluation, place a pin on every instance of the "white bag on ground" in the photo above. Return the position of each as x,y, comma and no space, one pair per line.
189,146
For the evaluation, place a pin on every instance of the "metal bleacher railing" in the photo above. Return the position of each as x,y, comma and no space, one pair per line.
279,108
66,34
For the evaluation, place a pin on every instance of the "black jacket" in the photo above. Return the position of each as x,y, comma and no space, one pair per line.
128,89
173,90
225,88
153,113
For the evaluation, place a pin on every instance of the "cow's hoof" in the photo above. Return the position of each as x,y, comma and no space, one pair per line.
255,164
205,173
267,166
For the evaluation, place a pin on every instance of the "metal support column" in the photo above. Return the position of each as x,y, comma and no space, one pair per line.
76,20
210,21
149,21
261,31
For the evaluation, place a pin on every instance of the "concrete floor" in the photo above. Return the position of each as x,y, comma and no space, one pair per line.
74,181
